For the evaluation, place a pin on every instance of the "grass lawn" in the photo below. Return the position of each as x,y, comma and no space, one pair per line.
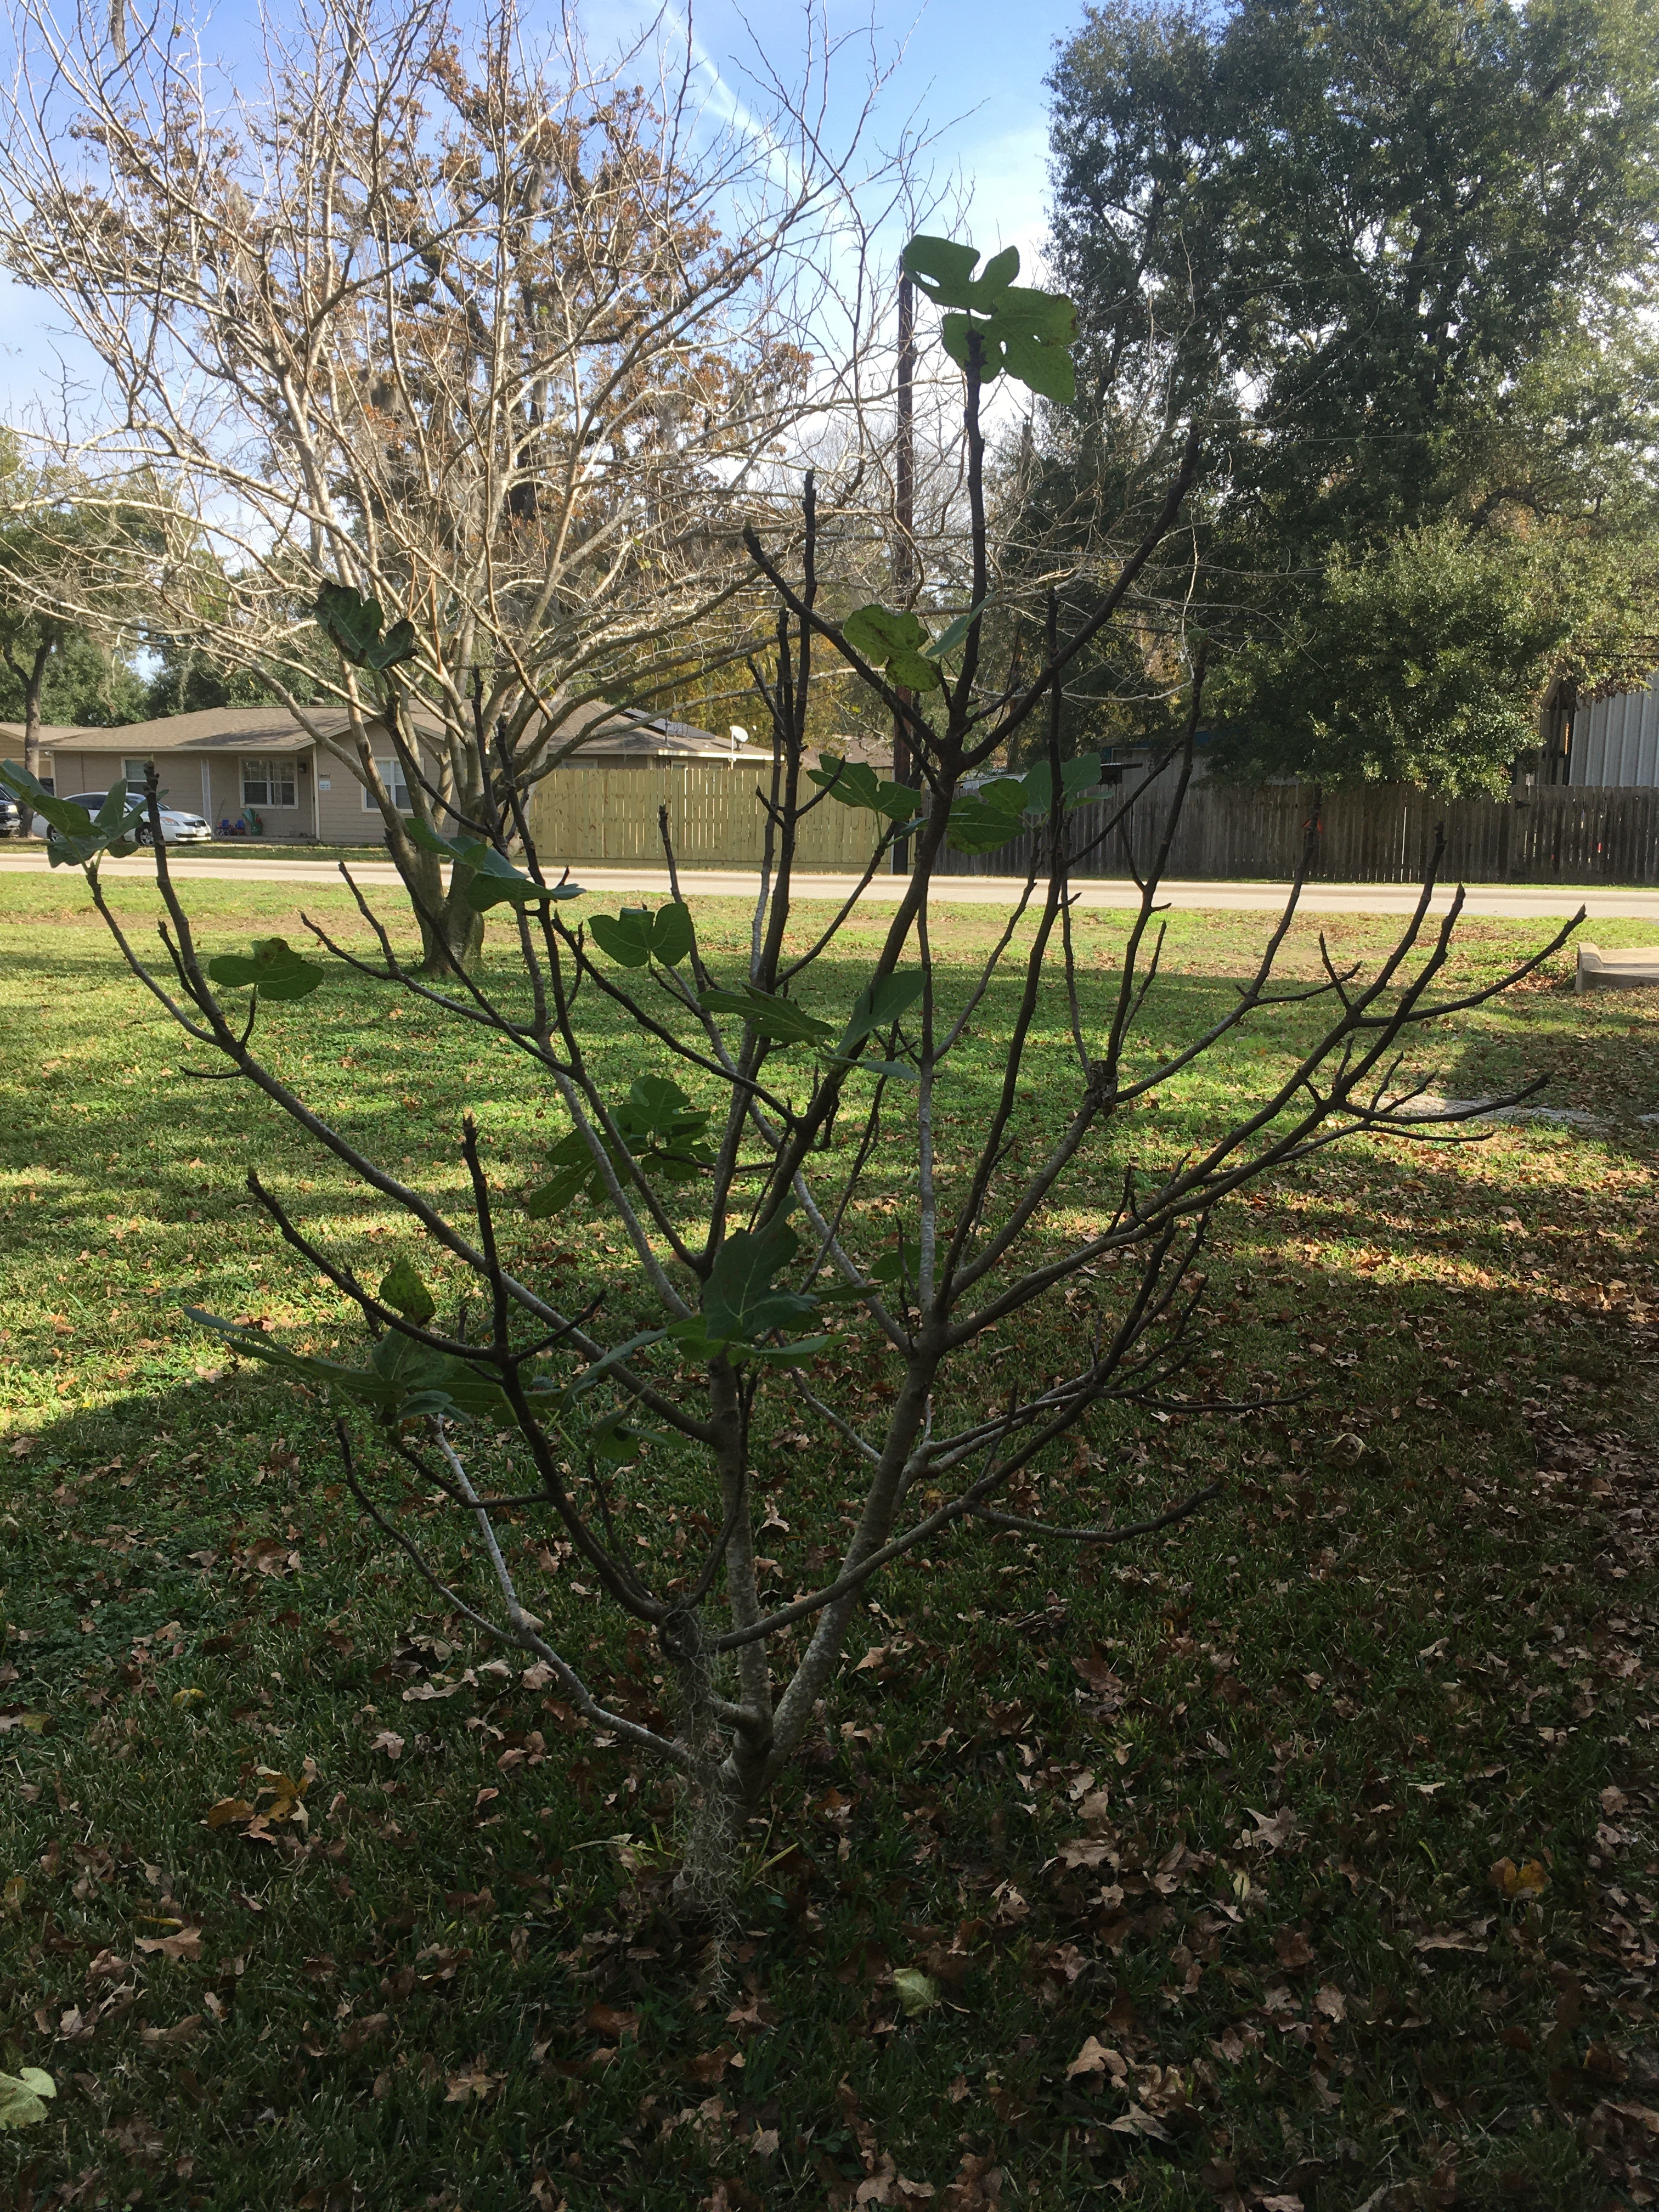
274,848
249,848
1229,1804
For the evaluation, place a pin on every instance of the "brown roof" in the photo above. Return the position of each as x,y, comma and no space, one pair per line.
208,729
622,734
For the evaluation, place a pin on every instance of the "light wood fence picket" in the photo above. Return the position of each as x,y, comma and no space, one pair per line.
1380,835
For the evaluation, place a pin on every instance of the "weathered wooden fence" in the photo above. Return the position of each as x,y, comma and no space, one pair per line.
597,815
1383,834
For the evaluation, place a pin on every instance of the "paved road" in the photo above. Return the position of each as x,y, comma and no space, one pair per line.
1522,900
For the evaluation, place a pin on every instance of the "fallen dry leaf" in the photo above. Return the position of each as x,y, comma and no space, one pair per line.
1527,1880
1085,1850
1273,1831
269,1556
1095,2058
474,2081
357,2032
1292,1949
1330,2000
182,2031
186,1944
1137,2121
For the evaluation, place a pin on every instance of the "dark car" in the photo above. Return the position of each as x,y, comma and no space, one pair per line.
11,820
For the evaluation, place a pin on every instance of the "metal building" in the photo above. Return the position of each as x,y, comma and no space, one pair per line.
1615,742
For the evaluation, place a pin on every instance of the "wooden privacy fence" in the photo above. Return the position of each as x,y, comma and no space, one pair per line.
596,815
1382,834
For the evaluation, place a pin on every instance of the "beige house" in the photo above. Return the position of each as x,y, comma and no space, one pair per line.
232,763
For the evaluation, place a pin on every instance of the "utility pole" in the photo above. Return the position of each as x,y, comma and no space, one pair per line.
904,561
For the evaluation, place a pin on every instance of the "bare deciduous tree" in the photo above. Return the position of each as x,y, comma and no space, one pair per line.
505,340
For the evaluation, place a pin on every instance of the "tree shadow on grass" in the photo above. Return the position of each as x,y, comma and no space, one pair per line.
1269,1655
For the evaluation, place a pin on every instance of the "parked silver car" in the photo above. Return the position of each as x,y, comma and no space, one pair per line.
177,827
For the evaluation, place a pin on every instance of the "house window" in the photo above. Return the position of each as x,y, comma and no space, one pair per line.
133,773
397,783
268,783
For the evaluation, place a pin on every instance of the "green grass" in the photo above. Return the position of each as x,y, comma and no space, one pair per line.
248,849
1411,1639
275,848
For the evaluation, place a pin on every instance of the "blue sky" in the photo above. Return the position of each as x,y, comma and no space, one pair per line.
969,69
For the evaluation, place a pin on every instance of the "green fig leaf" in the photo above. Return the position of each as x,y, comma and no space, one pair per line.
625,936
1017,328
671,934
853,783
495,879
275,969
352,624
738,1299
779,1019
879,1005
402,1288
944,269
895,641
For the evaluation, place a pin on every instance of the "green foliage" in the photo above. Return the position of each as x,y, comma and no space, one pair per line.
637,936
894,643
1267,218
353,623
75,836
58,544
855,783
877,1007
899,1270
188,681
402,1288
405,1381
1418,661
274,969
1001,325
495,881
770,1016
982,820
659,1127
87,684
782,1022
741,1301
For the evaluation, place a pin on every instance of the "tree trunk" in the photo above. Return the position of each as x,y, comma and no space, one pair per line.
32,685
451,935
